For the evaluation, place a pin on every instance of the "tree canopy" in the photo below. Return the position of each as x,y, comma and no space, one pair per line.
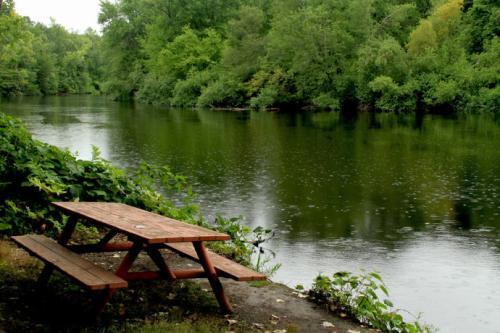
385,55
37,59
388,55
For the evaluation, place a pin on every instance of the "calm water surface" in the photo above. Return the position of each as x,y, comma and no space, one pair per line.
417,200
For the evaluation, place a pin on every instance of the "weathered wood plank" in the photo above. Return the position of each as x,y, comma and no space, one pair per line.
69,263
224,266
150,227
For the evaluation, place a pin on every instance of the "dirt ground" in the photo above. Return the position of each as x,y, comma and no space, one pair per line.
264,307
268,306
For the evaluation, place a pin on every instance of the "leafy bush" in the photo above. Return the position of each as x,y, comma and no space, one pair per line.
34,174
221,92
156,90
326,101
187,91
247,242
359,296
266,98
387,92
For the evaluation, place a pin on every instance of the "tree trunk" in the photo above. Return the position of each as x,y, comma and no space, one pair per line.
1,5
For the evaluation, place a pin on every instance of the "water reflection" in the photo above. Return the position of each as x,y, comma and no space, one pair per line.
414,197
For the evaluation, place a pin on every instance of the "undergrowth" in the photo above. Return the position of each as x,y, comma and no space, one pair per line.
363,298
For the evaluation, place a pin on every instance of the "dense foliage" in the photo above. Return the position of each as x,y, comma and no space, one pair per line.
389,55
33,174
360,297
386,55
36,59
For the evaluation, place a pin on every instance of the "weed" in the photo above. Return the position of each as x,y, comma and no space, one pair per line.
360,297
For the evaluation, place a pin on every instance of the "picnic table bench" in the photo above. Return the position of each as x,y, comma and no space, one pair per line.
147,232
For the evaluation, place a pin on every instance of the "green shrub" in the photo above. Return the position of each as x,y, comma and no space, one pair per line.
156,90
266,98
326,101
360,297
33,174
221,92
186,91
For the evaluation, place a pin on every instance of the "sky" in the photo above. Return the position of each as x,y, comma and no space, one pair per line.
75,15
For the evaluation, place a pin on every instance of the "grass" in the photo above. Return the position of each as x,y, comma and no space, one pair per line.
260,284
203,326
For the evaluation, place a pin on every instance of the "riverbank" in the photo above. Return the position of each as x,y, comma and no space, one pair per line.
157,307
413,201
34,174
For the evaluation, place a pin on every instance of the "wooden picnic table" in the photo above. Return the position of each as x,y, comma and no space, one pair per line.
147,232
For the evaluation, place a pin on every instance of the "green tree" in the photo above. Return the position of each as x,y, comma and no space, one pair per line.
483,20
424,38
178,70
36,59
6,7
124,26
424,7
317,68
391,55
245,43
380,59
17,57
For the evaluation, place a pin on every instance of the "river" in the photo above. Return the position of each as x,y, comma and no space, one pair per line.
415,199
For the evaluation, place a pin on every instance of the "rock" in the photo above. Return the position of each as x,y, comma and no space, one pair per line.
279,300
327,324
231,321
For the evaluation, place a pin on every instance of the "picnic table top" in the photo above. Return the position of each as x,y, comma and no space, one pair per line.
150,227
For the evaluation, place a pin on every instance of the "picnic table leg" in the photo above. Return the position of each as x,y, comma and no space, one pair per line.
100,301
102,298
67,231
215,283
44,277
129,259
63,239
157,258
109,236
